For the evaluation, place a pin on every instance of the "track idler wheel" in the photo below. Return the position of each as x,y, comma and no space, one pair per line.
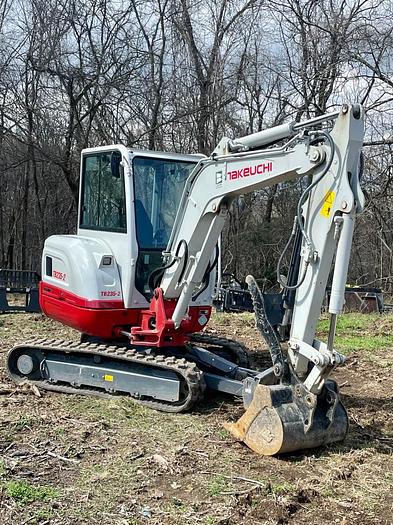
286,418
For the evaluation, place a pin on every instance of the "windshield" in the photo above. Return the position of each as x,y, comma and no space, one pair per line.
158,187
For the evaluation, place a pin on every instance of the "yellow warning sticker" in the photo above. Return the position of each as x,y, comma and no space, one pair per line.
108,378
327,204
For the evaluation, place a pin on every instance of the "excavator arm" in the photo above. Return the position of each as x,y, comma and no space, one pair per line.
302,408
326,212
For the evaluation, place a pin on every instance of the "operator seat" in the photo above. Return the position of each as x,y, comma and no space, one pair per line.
144,227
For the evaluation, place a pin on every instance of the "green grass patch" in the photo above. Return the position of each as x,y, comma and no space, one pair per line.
278,489
112,412
223,434
217,485
22,423
233,319
349,343
24,492
353,321
61,431
45,513
139,416
94,409
357,331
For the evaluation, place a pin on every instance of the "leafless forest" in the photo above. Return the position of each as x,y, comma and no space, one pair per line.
177,75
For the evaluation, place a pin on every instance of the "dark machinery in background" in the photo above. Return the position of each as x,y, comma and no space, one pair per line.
360,299
233,295
19,282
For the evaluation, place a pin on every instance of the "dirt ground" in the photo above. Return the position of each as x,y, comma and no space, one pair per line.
68,460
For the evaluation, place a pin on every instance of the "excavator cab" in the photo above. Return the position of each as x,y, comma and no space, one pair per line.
97,281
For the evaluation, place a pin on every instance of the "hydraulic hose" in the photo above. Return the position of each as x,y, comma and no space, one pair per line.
298,217
279,280
209,270
158,272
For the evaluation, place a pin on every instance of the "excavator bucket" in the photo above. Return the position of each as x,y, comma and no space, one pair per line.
277,420
285,417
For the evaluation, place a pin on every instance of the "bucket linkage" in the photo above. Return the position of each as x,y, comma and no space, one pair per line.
286,416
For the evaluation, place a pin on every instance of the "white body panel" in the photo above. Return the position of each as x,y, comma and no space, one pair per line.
78,264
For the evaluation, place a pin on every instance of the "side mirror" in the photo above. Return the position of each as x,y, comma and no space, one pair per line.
116,167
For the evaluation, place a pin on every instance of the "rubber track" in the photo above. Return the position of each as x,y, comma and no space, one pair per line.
236,349
189,372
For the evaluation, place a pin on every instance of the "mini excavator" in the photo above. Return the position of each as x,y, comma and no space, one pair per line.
138,278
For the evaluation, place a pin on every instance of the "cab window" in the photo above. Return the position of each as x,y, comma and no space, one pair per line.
158,187
103,194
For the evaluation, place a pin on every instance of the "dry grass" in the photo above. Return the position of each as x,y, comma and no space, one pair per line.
117,463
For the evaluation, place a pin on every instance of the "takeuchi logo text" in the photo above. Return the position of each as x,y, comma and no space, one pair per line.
249,171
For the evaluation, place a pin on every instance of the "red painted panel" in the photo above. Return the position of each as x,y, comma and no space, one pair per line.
103,318
71,298
98,318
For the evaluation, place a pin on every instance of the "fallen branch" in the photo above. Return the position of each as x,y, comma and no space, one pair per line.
30,387
200,453
63,458
343,384
5,392
248,480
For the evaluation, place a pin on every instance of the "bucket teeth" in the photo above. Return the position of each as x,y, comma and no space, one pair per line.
264,439
276,422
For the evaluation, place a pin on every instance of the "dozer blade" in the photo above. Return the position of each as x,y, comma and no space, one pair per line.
280,420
